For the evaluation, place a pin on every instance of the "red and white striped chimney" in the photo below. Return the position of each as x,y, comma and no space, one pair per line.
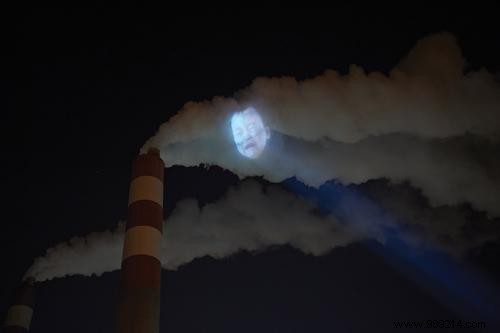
139,303
19,315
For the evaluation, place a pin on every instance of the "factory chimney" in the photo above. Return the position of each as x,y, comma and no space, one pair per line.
139,298
19,315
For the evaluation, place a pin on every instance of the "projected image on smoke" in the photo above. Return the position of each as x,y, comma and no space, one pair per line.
249,133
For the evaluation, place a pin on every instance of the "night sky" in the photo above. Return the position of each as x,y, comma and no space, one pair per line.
86,88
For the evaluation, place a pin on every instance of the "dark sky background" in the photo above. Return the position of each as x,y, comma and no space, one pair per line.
86,88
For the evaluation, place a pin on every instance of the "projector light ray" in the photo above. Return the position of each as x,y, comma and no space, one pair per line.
461,288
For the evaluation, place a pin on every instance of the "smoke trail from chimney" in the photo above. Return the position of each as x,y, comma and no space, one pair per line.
426,123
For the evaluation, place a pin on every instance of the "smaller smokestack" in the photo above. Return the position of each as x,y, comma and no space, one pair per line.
19,314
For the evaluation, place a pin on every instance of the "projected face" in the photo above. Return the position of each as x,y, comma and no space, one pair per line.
249,133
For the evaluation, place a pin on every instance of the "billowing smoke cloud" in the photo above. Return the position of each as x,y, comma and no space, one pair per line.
253,217
427,122
248,218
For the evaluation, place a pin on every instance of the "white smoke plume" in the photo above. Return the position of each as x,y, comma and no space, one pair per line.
248,218
426,95
427,122
253,217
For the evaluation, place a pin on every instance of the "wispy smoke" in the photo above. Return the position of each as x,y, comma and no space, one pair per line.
427,122
94,254
427,128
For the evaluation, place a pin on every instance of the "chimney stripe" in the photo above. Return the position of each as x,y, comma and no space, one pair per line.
142,240
146,188
19,315
145,212
142,271
148,165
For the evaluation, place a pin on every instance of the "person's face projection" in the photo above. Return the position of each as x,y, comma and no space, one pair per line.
249,133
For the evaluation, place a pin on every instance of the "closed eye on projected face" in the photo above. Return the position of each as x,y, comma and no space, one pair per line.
249,133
